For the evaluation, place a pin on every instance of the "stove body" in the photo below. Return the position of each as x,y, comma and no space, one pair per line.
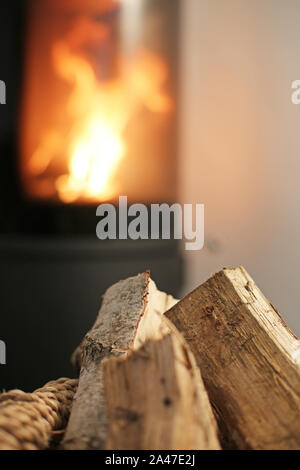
53,268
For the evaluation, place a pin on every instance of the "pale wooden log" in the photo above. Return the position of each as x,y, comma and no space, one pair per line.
156,399
118,326
249,360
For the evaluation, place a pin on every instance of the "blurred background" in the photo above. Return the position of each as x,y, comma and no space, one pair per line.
240,141
192,100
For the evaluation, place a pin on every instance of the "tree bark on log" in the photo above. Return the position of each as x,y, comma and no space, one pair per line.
249,360
124,316
156,399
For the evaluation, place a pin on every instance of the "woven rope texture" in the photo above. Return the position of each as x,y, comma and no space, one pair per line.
28,420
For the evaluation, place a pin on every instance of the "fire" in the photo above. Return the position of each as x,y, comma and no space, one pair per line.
91,165
96,114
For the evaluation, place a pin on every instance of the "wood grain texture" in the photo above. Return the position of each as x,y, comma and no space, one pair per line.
249,360
118,326
156,399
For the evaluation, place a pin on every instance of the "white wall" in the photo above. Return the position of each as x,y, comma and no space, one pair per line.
240,141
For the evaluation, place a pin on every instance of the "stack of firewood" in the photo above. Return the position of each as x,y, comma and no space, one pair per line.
218,369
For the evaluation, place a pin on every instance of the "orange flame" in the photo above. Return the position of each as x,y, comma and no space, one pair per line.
98,113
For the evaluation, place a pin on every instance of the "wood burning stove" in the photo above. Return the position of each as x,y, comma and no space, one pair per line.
98,108
95,119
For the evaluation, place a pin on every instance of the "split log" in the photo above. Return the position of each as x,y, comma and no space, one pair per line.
156,399
124,317
249,360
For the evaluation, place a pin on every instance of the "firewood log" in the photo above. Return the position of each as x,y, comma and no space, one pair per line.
156,399
124,317
249,360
